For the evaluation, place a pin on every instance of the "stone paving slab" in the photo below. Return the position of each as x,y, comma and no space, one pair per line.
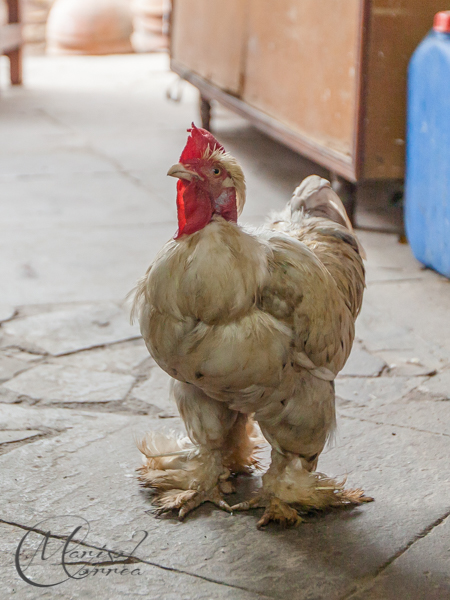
421,414
136,580
10,366
81,202
437,387
11,435
6,312
21,355
92,265
421,573
407,316
50,162
118,358
406,364
55,419
58,383
89,471
399,401
381,334
29,128
374,391
70,330
156,391
362,364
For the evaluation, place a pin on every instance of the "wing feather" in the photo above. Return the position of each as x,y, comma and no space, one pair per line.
303,294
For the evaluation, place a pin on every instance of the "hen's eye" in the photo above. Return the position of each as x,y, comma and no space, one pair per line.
216,171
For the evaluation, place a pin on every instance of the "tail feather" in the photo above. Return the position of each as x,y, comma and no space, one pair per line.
314,197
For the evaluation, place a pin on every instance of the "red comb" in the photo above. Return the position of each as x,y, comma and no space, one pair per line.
198,142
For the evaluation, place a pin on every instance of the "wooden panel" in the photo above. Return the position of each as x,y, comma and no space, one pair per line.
208,38
340,164
301,65
396,28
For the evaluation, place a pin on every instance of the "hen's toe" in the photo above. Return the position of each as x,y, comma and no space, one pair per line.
279,512
185,501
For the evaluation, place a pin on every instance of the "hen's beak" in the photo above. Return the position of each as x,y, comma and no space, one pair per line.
180,171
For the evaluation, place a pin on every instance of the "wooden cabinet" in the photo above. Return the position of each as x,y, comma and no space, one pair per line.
300,69
326,77
208,38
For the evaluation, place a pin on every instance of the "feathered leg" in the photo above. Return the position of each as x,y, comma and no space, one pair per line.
186,472
290,485
298,434
241,445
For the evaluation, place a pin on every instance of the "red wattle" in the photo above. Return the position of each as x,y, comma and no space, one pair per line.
181,214
193,207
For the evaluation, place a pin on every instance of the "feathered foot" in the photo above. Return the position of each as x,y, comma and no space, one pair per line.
279,511
184,501
288,487
181,475
276,510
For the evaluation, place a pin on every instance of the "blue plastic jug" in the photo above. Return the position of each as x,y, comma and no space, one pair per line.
427,192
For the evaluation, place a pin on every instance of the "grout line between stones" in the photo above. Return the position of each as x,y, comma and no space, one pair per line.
138,560
342,416
106,345
48,356
365,586
7,447
415,539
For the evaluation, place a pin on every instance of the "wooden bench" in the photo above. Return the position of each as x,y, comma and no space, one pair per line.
11,41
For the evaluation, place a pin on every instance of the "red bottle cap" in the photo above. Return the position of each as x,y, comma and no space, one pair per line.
442,21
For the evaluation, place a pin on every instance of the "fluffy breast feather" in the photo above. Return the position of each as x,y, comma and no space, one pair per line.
213,275
198,314
230,311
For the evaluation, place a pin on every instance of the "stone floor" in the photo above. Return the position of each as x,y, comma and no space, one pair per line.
85,204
